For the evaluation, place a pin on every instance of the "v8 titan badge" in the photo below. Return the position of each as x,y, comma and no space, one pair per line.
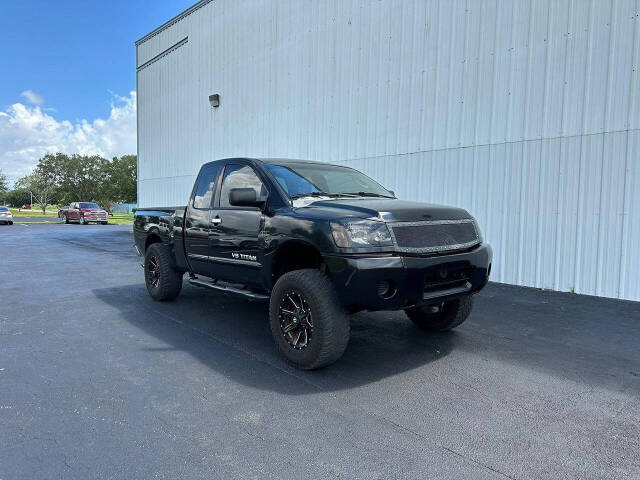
244,256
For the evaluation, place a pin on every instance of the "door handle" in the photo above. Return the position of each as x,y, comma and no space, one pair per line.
216,221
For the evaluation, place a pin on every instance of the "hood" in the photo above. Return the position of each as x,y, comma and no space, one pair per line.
387,209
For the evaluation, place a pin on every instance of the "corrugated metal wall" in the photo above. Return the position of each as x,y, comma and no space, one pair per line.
527,113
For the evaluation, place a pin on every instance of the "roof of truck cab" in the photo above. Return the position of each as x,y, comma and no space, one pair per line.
275,161
289,161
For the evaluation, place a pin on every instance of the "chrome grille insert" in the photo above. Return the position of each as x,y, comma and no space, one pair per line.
434,236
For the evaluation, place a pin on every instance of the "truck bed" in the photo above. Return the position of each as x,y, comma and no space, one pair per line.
164,224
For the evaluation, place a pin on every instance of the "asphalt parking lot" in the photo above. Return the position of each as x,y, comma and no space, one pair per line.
18,218
98,381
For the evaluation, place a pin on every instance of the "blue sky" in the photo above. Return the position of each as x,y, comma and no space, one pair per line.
72,53
67,73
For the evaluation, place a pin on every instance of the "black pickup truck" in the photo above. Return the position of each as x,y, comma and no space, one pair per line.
319,241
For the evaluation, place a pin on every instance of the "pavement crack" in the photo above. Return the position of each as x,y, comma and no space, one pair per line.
469,459
450,450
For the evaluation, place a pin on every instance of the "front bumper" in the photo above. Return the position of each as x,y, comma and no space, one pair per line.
413,280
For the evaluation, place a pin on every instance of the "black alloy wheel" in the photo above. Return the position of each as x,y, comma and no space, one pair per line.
153,270
162,278
308,323
296,320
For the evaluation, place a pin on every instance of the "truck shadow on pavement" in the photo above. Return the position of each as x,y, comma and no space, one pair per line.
231,335
586,340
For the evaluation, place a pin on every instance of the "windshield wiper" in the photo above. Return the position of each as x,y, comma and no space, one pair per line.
367,194
309,194
322,194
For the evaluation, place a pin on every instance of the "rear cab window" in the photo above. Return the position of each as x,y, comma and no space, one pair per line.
205,189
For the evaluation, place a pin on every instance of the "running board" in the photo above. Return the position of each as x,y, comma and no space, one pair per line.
229,289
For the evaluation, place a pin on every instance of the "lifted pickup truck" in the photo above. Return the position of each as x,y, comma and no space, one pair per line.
319,241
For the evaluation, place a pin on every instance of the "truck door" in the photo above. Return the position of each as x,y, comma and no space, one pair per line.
197,219
72,213
234,230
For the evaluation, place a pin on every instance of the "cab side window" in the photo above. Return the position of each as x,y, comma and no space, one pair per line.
240,176
206,188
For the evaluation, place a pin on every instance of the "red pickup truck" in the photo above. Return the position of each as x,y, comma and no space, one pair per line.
83,213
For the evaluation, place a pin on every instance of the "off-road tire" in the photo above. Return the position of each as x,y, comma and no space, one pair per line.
451,314
331,328
169,279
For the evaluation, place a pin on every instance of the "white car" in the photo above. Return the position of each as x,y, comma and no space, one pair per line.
6,216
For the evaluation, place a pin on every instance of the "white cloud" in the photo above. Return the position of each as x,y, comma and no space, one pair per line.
27,133
32,97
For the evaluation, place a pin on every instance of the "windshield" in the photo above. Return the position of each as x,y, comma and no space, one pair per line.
89,205
314,179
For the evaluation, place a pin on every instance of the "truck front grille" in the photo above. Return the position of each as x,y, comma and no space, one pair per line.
434,236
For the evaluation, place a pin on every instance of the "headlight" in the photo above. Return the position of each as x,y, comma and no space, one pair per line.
475,224
361,233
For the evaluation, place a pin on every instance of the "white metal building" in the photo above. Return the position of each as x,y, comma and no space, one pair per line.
525,113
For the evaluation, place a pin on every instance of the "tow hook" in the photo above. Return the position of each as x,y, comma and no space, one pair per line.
434,308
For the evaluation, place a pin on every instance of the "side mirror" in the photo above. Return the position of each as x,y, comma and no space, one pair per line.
244,197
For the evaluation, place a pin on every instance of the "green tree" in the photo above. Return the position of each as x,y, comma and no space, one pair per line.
69,178
40,185
125,178
119,182
106,193
18,197
4,187
78,177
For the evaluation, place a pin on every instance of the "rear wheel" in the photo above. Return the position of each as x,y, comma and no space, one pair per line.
442,317
307,322
103,223
163,281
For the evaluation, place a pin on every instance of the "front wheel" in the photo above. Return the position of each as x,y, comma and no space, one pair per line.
65,220
104,223
163,281
83,221
442,317
307,322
